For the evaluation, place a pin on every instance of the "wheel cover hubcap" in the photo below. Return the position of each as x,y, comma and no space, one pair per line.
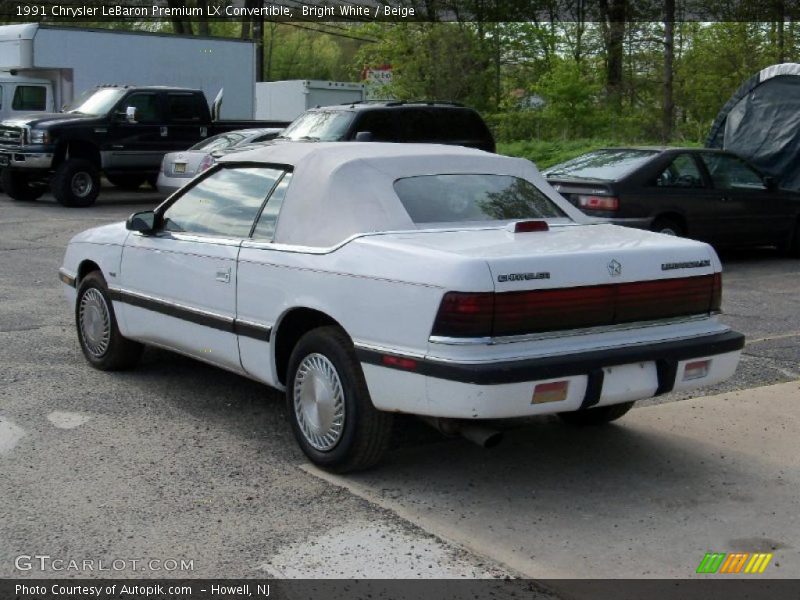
95,322
82,184
319,402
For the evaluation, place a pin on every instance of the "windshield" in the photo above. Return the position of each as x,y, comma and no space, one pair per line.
319,126
603,165
460,198
95,102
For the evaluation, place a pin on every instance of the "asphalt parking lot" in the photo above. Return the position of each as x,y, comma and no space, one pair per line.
179,460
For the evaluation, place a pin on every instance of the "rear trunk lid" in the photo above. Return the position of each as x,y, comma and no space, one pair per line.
569,255
571,277
572,189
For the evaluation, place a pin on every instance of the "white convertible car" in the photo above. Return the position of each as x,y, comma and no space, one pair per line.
367,279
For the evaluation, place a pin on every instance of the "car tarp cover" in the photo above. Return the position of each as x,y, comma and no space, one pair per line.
761,122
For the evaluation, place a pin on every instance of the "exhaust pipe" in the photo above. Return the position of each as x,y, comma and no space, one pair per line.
485,437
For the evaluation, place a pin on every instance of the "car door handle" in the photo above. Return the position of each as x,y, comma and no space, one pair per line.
224,275
723,199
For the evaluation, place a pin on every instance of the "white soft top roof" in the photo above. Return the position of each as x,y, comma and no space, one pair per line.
340,189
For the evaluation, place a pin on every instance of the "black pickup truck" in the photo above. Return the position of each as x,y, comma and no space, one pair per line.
121,132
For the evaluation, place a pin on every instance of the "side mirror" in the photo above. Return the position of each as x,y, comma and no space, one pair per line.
130,114
770,183
143,222
364,136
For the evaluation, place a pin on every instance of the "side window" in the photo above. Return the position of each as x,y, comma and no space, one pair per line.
731,173
29,97
146,107
225,203
265,228
185,107
682,172
380,123
417,126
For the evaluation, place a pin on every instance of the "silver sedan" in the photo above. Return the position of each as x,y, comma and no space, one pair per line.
178,168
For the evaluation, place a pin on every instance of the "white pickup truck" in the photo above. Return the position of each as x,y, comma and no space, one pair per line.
367,279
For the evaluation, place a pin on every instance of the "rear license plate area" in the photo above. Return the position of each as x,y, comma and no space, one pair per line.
179,168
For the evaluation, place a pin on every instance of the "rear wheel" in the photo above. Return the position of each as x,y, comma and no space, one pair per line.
101,342
596,416
127,181
668,226
76,183
330,411
791,247
18,186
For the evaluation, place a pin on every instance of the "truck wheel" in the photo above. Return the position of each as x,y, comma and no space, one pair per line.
330,411
101,342
596,416
76,183
18,187
127,181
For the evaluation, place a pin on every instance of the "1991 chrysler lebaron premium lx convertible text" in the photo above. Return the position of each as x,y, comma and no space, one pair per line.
367,279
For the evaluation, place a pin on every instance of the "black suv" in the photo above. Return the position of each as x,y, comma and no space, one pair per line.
393,121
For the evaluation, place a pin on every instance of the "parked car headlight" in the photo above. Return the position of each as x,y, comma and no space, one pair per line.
39,136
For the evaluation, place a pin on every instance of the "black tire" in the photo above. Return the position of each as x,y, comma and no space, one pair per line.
118,352
127,181
76,183
596,416
18,187
791,247
152,181
363,436
668,226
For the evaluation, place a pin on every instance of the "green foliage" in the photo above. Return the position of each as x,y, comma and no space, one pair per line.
439,61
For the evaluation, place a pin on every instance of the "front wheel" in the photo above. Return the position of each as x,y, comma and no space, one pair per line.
596,416
18,186
76,183
101,342
330,410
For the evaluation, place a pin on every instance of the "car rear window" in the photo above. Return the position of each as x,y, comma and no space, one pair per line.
472,198
218,142
604,165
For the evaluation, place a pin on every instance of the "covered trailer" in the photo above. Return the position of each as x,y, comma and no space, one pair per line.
761,122
287,100
66,61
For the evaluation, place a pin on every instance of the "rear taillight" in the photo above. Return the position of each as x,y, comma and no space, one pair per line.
598,202
206,163
716,294
517,313
465,315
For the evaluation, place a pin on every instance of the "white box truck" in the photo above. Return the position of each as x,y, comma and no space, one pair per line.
42,68
287,100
